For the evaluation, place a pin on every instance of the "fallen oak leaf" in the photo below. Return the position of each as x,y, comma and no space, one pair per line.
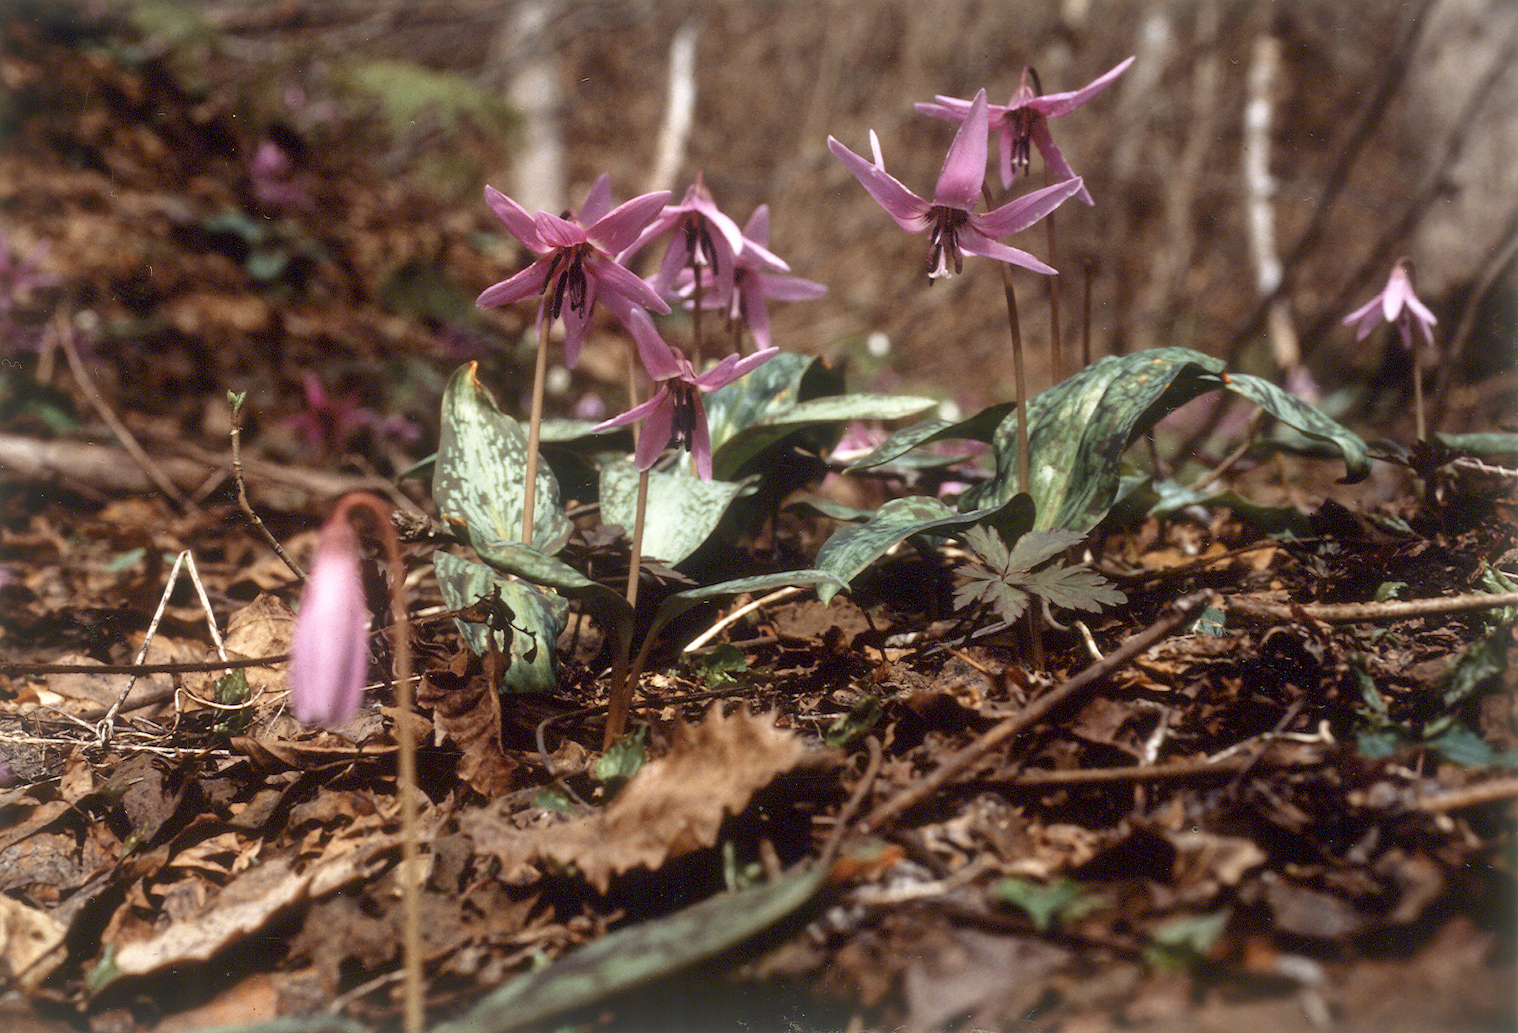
673,806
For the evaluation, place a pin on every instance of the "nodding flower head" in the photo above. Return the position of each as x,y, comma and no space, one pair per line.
577,260
956,228
329,648
1398,305
1023,122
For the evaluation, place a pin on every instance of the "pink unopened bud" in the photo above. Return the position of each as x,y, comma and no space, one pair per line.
329,653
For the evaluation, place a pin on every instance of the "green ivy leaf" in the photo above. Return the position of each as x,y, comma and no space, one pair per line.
683,510
481,463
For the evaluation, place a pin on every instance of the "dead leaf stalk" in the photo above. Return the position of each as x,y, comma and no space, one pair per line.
234,401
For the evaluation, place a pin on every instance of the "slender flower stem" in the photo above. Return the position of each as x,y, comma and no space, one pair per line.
1056,350
534,431
695,317
1417,355
413,1014
622,685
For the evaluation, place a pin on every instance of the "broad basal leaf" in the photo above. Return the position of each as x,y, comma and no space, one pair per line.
851,549
1079,430
682,511
479,478
537,619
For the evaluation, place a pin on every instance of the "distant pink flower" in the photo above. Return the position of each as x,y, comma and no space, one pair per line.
675,415
702,237
274,183
578,260
333,422
329,648
1398,305
1024,121
955,229
755,280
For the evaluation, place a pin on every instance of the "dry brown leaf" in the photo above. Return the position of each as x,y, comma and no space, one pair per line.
243,907
28,944
466,708
673,806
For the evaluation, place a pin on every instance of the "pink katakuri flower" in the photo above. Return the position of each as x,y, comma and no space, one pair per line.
1024,120
702,237
1398,305
578,259
329,646
675,416
955,228
755,280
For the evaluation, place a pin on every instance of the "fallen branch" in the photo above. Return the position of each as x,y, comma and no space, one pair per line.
1350,613
1180,611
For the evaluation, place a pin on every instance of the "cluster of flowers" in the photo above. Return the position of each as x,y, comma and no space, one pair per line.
709,263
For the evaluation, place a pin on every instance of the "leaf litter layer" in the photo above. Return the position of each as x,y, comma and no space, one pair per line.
846,814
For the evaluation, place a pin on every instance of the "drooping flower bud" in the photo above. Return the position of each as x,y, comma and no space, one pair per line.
329,651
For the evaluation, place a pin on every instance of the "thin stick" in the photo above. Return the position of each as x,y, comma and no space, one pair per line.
1351,613
139,456
413,1014
622,682
1086,314
235,400
534,430
960,762
716,629
1419,427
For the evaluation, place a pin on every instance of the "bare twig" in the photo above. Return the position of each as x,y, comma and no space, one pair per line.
145,463
1351,613
1179,612
234,401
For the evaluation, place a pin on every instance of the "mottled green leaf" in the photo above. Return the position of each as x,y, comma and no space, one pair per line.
1079,430
980,427
851,549
746,442
636,954
608,606
683,510
673,606
537,619
481,469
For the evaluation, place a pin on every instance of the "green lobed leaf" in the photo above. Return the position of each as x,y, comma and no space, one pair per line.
537,619
480,471
682,512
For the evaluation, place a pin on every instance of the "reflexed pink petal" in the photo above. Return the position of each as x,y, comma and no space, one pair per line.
632,415
329,648
792,288
523,285
1054,105
615,278
1054,159
597,202
616,230
909,210
557,232
757,229
1018,215
515,219
660,361
657,425
577,324
731,368
964,170
973,243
